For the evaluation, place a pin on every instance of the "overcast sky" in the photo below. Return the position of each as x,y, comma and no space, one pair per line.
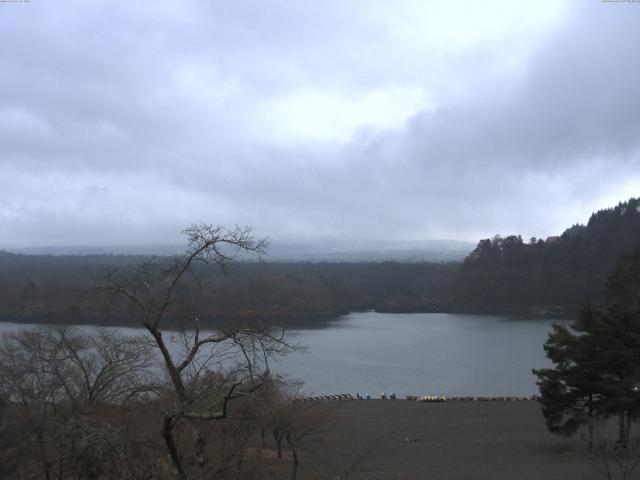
121,122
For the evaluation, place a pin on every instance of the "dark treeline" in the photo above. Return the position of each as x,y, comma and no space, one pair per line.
56,289
553,276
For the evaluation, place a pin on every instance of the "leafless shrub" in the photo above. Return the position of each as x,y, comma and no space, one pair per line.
609,457
288,422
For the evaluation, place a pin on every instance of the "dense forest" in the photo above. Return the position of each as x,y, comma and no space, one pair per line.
47,288
502,275
553,276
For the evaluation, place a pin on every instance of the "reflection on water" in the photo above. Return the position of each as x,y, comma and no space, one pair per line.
419,353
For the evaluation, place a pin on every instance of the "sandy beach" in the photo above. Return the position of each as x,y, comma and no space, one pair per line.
400,439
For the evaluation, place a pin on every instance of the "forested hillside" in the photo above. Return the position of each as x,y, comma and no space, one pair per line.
552,276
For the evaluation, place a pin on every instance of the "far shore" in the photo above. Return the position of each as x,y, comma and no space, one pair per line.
291,321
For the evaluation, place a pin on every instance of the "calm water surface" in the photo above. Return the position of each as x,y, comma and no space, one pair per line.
448,354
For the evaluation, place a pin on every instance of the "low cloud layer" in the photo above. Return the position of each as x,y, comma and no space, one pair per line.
121,124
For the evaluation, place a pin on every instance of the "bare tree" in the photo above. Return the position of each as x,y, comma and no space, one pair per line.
54,380
303,424
290,422
31,396
206,370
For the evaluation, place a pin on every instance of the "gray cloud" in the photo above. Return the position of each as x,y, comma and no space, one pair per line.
122,124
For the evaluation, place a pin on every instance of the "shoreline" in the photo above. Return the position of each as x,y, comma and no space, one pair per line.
304,322
427,398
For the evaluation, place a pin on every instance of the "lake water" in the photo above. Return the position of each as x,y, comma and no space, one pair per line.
449,354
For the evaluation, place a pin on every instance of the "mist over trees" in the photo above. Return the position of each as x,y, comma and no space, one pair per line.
554,276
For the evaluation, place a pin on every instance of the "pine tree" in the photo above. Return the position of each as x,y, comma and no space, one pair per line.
569,392
596,371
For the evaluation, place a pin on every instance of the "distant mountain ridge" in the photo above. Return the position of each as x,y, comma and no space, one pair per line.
555,276
299,283
280,251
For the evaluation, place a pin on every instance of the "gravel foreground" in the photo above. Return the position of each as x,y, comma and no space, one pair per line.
400,439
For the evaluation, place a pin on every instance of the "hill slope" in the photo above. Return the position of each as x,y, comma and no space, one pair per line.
556,276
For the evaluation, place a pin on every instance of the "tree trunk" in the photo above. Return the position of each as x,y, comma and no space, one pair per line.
590,413
167,434
623,434
294,456
43,454
47,471
278,438
198,444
